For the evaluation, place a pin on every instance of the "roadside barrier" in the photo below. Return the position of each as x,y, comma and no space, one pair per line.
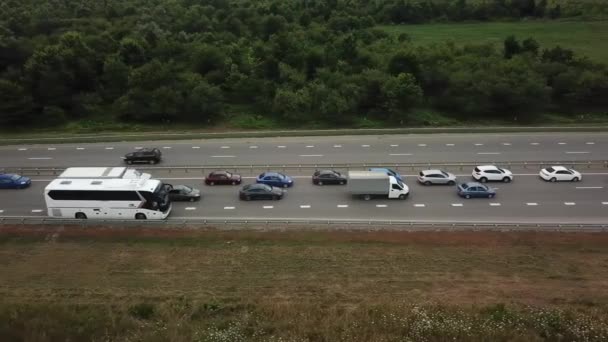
253,169
284,224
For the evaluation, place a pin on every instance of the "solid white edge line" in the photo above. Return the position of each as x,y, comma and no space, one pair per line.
228,208
305,206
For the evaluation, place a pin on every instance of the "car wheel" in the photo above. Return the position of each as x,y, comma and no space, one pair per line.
367,197
451,183
140,216
575,179
467,196
427,183
490,195
506,180
319,183
211,183
402,197
81,216
553,180
483,179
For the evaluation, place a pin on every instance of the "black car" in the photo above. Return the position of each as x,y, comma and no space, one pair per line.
260,191
183,193
321,177
145,155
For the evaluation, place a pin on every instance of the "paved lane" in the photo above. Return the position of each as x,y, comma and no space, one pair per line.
339,149
526,199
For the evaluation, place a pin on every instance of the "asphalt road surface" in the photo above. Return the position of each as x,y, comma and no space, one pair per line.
527,199
339,149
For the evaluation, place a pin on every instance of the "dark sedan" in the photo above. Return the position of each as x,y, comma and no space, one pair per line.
222,177
13,181
260,191
322,177
183,193
474,189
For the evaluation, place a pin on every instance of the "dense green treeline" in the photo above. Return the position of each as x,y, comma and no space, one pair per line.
297,62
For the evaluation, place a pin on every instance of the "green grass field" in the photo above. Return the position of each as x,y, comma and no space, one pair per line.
589,38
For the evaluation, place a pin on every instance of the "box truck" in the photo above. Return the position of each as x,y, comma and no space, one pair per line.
368,184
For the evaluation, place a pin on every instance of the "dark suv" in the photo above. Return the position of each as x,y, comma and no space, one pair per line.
145,155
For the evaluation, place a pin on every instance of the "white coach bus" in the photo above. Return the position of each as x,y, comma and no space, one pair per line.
107,199
103,172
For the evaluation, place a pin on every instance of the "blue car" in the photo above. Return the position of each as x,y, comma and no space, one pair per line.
275,179
388,172
13,181
474,189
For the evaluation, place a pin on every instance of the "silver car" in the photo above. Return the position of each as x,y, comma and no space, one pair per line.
429,177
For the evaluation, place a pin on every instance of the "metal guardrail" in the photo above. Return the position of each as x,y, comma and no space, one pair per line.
589,164
278,224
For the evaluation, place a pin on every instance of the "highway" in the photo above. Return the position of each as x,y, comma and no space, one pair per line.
527,199
338,149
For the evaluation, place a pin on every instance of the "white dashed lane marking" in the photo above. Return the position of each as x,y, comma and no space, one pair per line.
534,143
228,208
589,187
561,143
51,148
22,149
190,208
400,154
254,146
337,146
225,147
419,205
532,204
364,145
507,144
1,211
40,158
310,146
109,148
281,146
394,145
305,206
604,203
138,147
381,206
80,148
311,155
456,204
479,144
268,206
422,145
196,147
569,203
488,152
449,144
223,156
342,205
590,143
167,147
36,210
495,204
577,152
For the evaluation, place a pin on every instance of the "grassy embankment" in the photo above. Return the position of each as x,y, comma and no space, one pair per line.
159,285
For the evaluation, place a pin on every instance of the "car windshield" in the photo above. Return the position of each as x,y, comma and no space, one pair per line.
228,174
265,187
465,186
15,177
445,173
281,176
550,170
477,169
501,170
183,188
400,184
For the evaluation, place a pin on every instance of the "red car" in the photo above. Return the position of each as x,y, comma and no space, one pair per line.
222,177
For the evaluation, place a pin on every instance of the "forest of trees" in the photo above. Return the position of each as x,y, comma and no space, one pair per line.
295,62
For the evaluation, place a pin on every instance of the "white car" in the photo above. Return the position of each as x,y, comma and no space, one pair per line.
484,173
428,177
560,173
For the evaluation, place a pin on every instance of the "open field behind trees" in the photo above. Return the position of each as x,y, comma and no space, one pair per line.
586,38
290,63
192,285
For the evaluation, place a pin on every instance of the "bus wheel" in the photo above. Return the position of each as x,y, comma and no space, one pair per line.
81,216
140,216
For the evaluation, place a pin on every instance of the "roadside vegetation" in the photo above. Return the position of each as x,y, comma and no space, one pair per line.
117,64
192,285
